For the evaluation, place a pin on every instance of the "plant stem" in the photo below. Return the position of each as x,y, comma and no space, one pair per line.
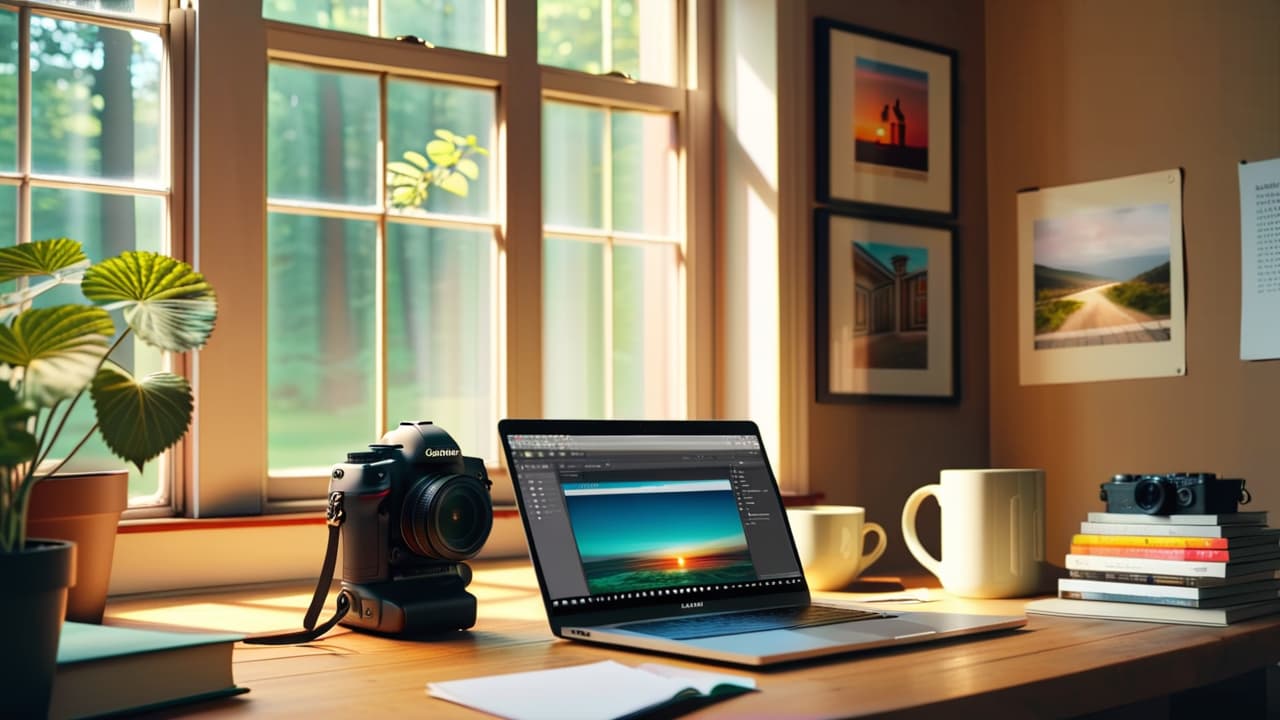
69,455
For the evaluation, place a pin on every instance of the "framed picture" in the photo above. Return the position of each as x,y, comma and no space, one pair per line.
885,309
885,135
1100,280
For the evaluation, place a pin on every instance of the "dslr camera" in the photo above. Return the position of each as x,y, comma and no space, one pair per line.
1173,494
414,507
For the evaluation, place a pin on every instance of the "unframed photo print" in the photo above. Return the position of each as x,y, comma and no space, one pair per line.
1100,280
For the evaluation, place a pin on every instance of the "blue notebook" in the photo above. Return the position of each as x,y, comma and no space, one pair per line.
108,670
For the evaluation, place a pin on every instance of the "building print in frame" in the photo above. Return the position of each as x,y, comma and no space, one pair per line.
1101,277
891,115
891,306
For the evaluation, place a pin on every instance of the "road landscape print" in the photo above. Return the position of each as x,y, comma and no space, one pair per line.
654,538
1102,277
890,115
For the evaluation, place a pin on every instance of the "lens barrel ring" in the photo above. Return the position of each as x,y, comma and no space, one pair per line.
447,516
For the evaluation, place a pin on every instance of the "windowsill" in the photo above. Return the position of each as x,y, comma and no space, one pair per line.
170,554
160,525
215,552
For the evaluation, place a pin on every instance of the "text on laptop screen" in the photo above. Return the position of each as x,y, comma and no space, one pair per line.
620,520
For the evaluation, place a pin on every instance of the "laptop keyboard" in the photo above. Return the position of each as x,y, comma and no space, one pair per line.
700,626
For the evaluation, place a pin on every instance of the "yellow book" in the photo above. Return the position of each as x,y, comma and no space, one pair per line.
1151,541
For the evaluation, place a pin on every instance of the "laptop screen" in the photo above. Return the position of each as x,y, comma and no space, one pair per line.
621,520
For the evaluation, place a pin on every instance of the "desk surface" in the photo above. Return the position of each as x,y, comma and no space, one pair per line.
1053,666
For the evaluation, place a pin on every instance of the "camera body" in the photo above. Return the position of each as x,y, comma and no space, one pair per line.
1173,494
414,508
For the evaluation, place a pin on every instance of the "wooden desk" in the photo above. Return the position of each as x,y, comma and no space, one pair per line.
1053,667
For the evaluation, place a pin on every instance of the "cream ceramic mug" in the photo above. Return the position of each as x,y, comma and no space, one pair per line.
992,531
830,539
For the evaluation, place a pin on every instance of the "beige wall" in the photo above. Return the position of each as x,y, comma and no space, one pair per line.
875,454
1081,90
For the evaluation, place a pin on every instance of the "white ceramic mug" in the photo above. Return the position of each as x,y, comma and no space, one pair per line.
830,539
992,531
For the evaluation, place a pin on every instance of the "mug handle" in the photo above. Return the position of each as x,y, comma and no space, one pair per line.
881,543
917,550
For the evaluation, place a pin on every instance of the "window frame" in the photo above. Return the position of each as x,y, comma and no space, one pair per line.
169,189
228,48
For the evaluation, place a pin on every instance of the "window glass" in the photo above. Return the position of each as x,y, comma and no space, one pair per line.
438,318
95,101
105,225
644,351
321,333
573,329
644,155
458,24
416,110
322,130
148,9
8,221
440,349
573,165
347,15
635,37
8,90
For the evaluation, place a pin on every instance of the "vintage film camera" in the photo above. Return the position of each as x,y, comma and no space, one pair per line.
413,507
1173,494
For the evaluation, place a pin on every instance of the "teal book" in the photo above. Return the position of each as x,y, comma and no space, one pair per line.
108,670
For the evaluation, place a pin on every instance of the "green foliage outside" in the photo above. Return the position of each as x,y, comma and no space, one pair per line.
1150,298
1051,314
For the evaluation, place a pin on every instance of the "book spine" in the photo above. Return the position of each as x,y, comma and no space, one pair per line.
1123,588
1156,567
1158,553
1133,577
1164,541
1141,599
1100,528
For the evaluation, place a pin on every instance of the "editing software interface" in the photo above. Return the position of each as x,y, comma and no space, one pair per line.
624,521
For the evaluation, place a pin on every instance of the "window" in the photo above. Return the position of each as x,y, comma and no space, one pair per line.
461,24
611,259
85,152
375,315
567,259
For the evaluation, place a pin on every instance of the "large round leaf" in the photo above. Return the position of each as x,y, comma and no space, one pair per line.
139,419
17,445
166,302
59,347
42,257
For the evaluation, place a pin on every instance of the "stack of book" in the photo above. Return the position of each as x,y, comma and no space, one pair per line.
1192,569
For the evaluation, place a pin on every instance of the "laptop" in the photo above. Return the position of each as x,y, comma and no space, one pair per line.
670,536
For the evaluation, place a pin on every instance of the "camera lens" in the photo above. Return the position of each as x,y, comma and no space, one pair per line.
447,517
1149,496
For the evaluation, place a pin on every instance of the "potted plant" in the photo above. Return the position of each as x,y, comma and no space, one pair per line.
50,359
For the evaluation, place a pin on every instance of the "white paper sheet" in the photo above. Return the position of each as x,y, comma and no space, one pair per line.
599,691
1260,260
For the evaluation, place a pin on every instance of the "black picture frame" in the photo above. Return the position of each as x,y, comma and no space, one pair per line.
886,309
879,160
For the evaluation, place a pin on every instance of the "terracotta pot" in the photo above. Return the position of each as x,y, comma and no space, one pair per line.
84,508
33,602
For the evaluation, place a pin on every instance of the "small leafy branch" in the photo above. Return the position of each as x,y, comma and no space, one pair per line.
50,357
449,165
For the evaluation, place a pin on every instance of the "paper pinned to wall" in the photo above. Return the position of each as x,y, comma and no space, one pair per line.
1260,260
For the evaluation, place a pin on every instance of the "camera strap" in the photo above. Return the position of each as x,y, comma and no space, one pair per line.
334,516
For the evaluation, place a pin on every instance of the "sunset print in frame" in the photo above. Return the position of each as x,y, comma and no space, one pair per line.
885,135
